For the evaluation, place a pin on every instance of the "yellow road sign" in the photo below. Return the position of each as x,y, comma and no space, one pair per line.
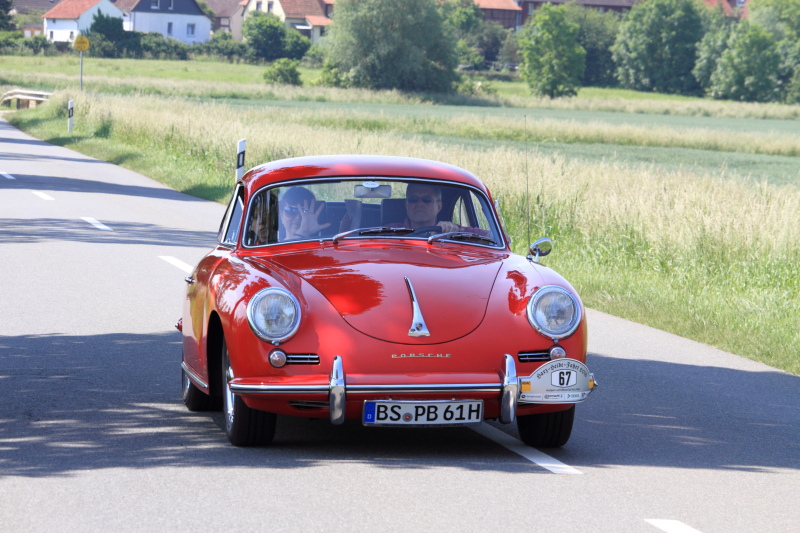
81,43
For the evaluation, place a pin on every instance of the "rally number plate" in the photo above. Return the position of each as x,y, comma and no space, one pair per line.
436,413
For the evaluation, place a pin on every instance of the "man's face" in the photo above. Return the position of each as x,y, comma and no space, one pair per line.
422,205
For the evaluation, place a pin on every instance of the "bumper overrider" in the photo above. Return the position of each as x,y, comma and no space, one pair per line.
560,381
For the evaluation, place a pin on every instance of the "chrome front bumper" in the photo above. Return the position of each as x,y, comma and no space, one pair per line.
337,389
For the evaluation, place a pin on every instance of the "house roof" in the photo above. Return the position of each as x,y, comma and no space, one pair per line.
26,6
318,21
70,9
505,5
125,5
302,8
224,8
598,3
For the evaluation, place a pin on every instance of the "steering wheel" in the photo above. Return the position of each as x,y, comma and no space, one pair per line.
426,229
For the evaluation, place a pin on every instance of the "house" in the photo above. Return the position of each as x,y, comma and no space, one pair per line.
504,12
529,6
180,19
69,18
309,17
229,16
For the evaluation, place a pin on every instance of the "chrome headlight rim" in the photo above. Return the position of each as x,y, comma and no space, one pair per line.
541,293
251,318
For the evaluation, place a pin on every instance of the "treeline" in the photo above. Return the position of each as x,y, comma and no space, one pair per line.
668,46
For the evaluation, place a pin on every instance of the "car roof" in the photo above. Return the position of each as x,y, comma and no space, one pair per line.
355,165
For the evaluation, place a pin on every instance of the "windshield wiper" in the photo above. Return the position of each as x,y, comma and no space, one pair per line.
460,236
371,231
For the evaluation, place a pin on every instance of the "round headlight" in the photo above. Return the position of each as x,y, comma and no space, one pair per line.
273,314
554,312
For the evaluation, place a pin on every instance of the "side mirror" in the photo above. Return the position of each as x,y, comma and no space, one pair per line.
540,248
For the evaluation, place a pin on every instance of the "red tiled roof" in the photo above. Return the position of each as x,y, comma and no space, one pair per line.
318,21
506,5
297,9
70,9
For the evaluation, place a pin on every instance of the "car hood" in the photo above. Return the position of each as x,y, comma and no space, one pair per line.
367,286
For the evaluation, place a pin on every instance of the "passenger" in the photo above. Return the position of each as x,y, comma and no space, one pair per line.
299,214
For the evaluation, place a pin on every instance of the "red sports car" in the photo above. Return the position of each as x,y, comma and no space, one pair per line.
380,289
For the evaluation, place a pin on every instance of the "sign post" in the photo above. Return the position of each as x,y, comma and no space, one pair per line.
240,158
71,108
81,44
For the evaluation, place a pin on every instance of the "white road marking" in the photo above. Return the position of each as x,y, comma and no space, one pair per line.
531,454
671,526
177,263
96,224
42,195
8,176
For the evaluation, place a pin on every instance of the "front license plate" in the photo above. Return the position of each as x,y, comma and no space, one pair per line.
436,413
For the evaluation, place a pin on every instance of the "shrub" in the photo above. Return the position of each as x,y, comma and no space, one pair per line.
283,72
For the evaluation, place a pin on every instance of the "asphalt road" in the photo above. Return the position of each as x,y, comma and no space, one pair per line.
94,437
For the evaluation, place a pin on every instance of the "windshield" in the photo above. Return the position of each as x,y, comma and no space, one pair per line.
368,208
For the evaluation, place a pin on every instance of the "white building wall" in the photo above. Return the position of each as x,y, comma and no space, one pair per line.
65,30
159,22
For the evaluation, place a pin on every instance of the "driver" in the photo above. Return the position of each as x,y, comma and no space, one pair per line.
423,203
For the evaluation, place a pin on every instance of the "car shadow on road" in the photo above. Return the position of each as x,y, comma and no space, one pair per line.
76,403
92,186
27,231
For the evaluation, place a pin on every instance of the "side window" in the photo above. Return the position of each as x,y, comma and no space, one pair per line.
233,219
262,223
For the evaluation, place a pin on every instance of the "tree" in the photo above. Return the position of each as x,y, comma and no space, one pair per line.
785,12
711,46
748,69
386,44
283,72
597,32
553,61
656,46
269,39
6,24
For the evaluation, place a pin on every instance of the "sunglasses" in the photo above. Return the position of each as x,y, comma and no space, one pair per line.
417,199
291,210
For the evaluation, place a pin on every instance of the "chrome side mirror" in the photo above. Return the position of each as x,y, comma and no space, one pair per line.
540,248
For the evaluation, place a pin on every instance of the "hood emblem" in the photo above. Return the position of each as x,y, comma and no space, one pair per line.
418,327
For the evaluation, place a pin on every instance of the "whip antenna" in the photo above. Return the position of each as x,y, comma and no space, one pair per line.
527,187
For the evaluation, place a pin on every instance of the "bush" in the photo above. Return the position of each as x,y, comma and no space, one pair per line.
331,76
283,72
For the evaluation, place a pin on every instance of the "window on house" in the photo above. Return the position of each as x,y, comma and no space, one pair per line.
169,29
51,35
154,4
71,35
190,30
172,4
258,6
269,6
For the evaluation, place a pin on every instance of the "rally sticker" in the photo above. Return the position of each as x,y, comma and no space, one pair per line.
559,381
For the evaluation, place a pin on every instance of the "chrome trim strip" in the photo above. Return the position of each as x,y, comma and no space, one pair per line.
508,402
193,376
418,327
337,392
279,389
432,388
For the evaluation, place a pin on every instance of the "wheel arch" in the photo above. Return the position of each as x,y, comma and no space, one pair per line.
214,340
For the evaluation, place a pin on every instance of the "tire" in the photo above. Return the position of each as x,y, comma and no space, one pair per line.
546,430
243,426
193,398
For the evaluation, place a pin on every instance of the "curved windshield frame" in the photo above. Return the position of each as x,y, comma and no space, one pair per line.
371,207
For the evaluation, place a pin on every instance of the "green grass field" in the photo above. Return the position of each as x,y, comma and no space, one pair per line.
677,213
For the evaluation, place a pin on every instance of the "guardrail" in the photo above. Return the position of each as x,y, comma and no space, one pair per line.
25,98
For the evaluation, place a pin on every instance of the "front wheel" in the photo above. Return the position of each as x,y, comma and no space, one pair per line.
243,426
193,398
546,430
